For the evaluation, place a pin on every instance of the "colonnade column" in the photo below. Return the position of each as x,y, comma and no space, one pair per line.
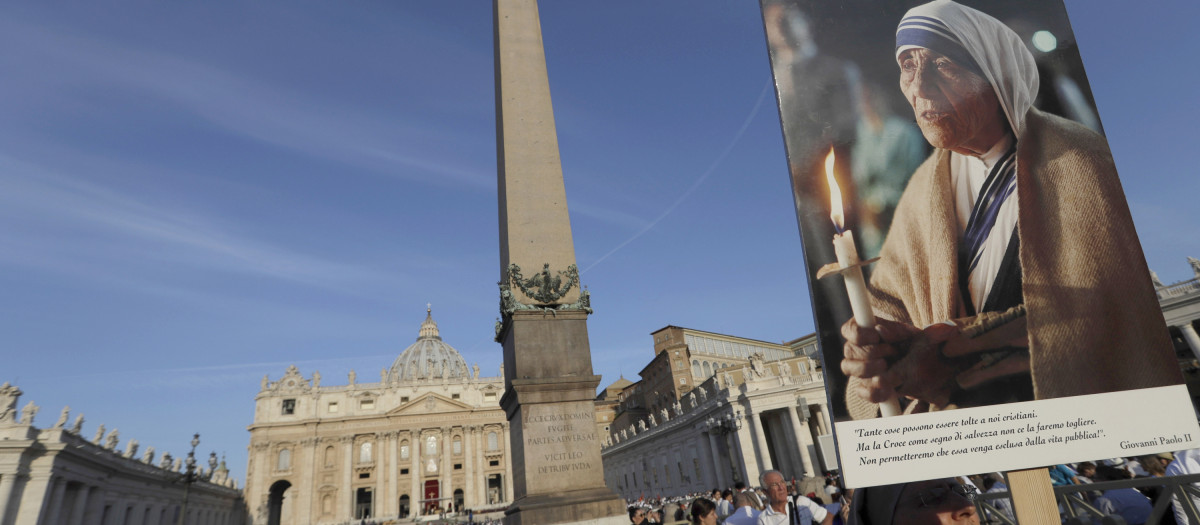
508,459
803,439
54,501
8,482
414,470
715,462
1192,338
77,510
347,478
758,429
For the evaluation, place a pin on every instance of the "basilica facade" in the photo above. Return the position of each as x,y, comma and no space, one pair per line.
429,436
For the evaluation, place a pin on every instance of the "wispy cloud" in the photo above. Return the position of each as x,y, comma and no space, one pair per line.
55,221
333,130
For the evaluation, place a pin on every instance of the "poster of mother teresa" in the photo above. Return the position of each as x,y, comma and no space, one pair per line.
972,162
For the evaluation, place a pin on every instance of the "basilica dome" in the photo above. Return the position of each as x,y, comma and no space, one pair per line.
429,357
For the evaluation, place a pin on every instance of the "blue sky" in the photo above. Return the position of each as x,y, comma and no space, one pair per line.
193,196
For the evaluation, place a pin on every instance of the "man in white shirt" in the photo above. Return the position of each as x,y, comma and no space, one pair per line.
780,511
744,514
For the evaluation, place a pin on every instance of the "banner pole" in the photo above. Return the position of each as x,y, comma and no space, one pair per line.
1033,496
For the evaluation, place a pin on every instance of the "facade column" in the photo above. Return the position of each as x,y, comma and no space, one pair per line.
77,509
347,478
714,462
444,489
306,456
758,430
1192,338
378,504
414,471
469,482
38,486
393,462
803,440
8,482
508,459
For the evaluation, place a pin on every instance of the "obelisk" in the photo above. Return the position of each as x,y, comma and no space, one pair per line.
549,385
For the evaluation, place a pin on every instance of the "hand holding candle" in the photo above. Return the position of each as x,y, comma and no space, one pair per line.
850,266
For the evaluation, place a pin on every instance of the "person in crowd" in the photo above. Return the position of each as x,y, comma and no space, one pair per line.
1062,475
931,502
994,483
744,512
1128,503
953,253
704,512
725,504
637,515
780,510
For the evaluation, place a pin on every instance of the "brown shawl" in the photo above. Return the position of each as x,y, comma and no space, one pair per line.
1094,323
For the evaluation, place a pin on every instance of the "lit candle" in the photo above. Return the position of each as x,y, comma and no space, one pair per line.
847,256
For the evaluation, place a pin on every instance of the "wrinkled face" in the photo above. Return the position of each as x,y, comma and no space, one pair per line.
776,488
955,108
934,502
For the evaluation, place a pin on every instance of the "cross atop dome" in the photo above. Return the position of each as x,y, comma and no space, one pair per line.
429,327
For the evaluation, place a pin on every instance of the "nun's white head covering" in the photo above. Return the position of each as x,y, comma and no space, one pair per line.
979,43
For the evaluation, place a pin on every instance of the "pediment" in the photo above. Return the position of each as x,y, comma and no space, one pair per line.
430,404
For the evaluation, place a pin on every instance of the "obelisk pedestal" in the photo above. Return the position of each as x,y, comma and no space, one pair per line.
558,476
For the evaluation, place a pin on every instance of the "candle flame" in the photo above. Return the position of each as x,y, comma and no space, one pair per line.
835,195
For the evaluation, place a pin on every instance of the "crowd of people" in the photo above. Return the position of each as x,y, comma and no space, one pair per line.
776,501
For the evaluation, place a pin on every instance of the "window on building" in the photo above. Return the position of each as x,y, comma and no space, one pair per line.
458,466
284,461
330,456
682,381
431,446
493,441
455,396
457,445
403,472
490,397
364,452
289,407
404,449
707,369
333,407
696,368
403,399
367,404
494,463
364,475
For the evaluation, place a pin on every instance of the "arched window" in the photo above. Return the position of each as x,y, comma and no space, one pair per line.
493,441
330,456
327,505
364,452
285,460
707,370
696,368
404,449
457,445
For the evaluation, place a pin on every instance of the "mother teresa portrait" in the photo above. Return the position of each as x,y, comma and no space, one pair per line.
1011,270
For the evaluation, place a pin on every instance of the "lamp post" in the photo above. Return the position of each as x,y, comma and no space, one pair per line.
189,477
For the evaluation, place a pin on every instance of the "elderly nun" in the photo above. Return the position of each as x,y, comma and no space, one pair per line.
1017,217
